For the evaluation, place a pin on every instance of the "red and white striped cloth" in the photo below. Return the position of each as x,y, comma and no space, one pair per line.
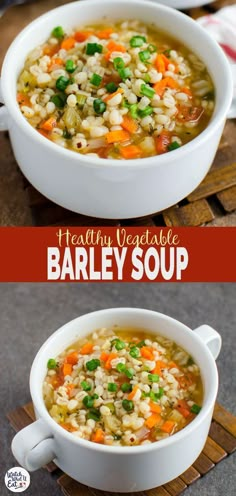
222,27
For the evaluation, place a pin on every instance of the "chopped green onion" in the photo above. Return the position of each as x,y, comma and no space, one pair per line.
126,387
118,63
86,386
152,48
116,437
146,78
167,52
81,99
93,48
128,405
58,32
52,364
147,91
126,104
66,134
134,352
134,112
96,80
93,364
195,409
111,87
137,41
99,106
153,377
173,146
121,367
88,401
129,373
124,73
147,111
112,387
62,83
144,55
59,100
119,345
141,344
156,396
70,66
190,361
95,396
94,414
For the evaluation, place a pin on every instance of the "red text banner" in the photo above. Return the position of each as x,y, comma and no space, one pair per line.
101,254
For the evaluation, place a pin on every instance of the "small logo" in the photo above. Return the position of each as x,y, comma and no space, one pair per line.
17,479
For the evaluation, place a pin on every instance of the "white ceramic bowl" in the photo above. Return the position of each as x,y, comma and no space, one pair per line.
114,188
184,4
110,468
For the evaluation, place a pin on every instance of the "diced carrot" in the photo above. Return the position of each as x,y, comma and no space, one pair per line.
104,34
49,124
56,380
117,136
68,427
51,50
154,407
133,392
153,420
172,365
68,43
72,358
168,426
109,359
147,353
158,367
82,35
86,349
44,133
112,46
185,381
129,124
160,63
163,141
109,97
167,82
183,408
98,436
67,369
131,151
54,63
23,99
104,356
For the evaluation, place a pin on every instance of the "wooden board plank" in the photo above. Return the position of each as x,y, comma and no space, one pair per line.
203,464
213,451
222,437
227,198
190,475
217,180
193,214
29,409
19,419
71,487
158,491
225,419
175,487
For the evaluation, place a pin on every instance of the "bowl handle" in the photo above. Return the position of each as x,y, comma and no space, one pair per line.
33,446
211,339
232,111
4,126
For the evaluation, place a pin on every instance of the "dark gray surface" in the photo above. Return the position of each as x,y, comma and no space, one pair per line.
29,313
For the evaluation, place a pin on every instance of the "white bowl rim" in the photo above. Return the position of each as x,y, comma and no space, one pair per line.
97,162
41,409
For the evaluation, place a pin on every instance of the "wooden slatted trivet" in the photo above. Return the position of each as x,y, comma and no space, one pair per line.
213,203
221,442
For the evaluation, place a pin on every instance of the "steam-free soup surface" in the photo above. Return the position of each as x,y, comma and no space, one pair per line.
123,91
123,387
